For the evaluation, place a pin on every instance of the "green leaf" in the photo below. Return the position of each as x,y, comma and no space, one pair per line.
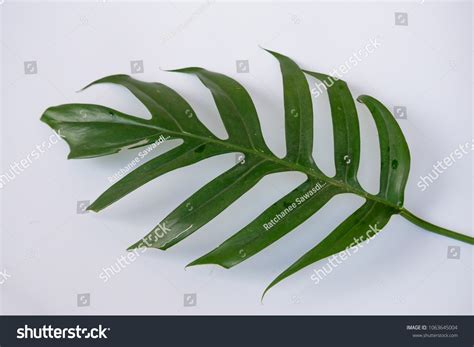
207,203
235,107
192,152
298,113
275,222
393,149
345,128
394,152
434,228
93,130
364,223
167,108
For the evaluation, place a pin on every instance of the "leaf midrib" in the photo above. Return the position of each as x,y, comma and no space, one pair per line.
292,166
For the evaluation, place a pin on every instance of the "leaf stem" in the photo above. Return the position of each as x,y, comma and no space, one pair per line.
434,228
315,173
310,171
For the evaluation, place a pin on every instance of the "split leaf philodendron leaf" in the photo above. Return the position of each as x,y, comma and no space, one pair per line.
94,130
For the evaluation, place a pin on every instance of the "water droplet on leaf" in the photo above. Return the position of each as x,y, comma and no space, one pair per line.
189,113
83,114
189,206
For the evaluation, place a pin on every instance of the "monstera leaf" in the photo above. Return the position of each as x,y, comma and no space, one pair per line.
93,130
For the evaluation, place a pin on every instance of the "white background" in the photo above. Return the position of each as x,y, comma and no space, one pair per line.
52,253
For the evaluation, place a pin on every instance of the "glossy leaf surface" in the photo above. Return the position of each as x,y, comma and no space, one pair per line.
94,130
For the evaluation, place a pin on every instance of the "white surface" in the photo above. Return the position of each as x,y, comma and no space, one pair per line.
53,254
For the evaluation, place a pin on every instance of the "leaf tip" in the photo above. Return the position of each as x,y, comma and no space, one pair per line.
107,79
265,292
98,205
191,69
363,98
71,155
196,262
44,116
204,260
275,54
88,85
93,208
137,245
